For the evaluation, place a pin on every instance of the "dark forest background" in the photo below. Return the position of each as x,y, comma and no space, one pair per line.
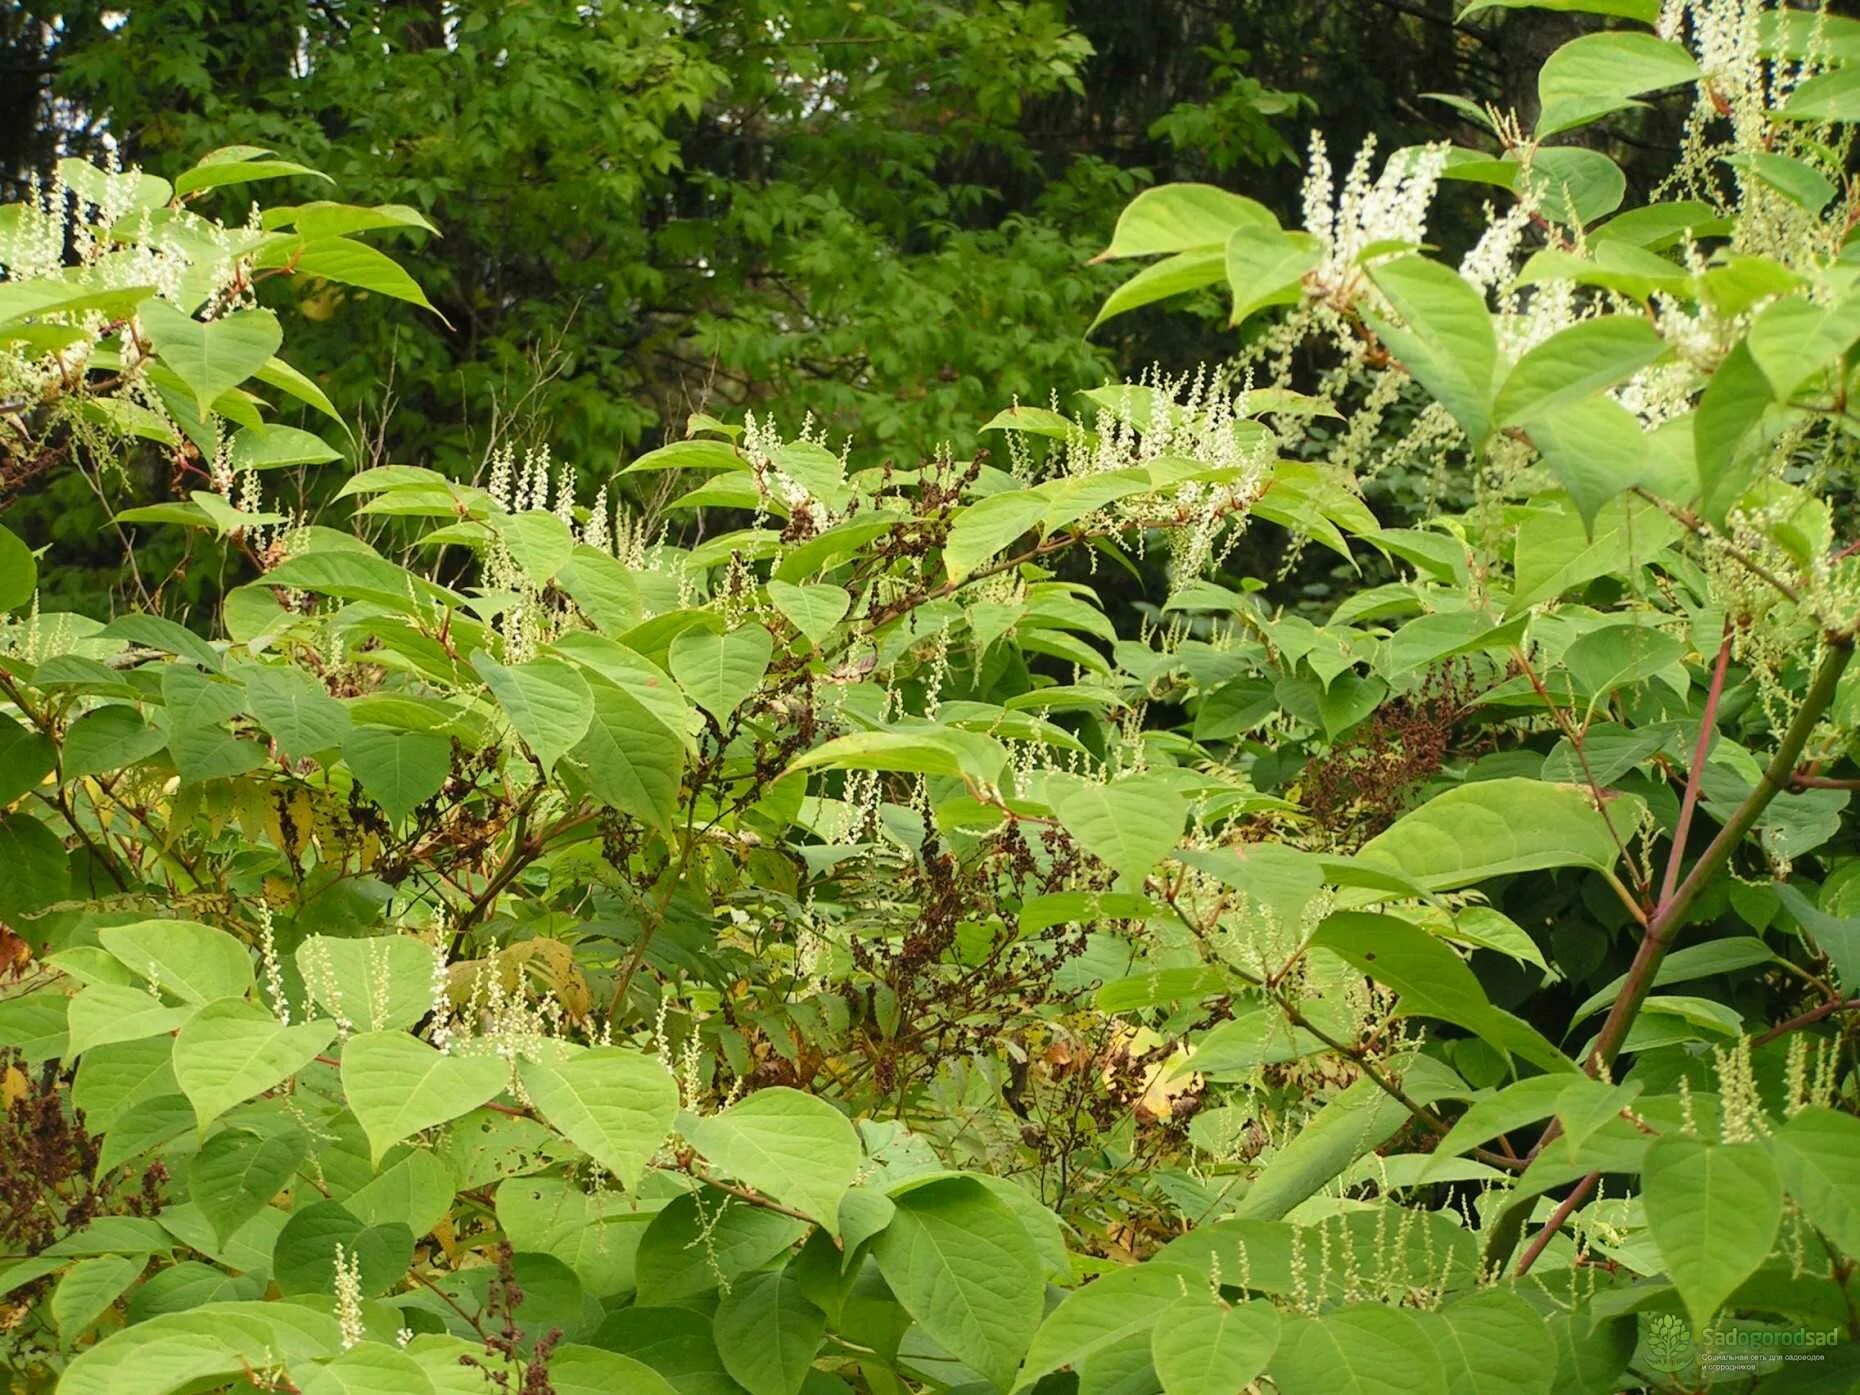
878,213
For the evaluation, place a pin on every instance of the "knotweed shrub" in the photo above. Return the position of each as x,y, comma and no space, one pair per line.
765,925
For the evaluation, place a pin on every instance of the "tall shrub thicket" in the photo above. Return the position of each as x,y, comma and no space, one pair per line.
785,938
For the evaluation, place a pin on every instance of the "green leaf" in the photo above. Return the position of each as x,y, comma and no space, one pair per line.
1099,1314
1575,363
633,762
237,1172
1713,1210
1831,96
211,357
273,447
1433,981
1523,825
1354,1122
232,1050
963,1266
594,1233
19,571
1130,824
397,1085
1557,551
241,165
193,962
987,526
923,750
1596,450
296,709
575,1370
304,1257
1522,1102
1729,411
1360,1350
1172,276
106,1012
547,701
615,1104
796,1147
1683,965
37,870
1492,1340
538,542
1178,217
107,740
768,1333
1817,1155
1267,267
1445,340
357,264
813,610
401,770
1203,1346
719,671
199,1350
368,1369
377,982
733,1238
1597,74
88,1288
603,589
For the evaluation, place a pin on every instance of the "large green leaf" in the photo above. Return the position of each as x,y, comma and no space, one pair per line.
796,1147
191,961
615,1104
767,1333
1596,450
1817,1154
237,1171
1575,363
214,356
397,1085
371,1368
1444,338
1359,1119
987,526
19,571
813,610
1178,217
1713,1210
296,709
633,762
1492,1340
1267,267
376,982
1130,825
1497,827
1205,1346
232,1050
547,701
719,671
1361,1350
577,1370
963,1266
401,770
1433,981
1105,1311
1597,74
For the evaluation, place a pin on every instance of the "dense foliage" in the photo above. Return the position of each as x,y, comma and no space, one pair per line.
764,922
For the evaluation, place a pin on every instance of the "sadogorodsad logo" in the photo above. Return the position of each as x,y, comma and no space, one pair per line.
1669,1345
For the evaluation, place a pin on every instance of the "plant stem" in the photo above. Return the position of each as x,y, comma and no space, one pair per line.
1542,1239
1670,914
